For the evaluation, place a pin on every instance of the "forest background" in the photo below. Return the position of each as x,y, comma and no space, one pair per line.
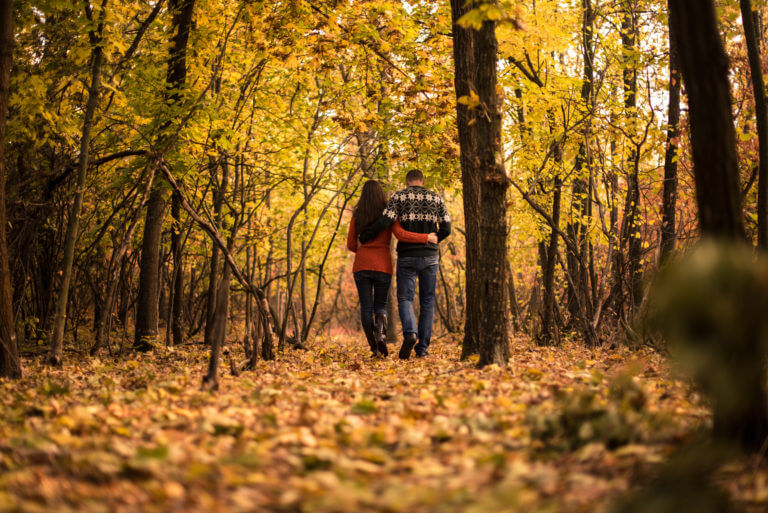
273,116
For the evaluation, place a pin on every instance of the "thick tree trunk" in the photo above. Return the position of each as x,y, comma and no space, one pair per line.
749,19
464,82
577,263
494,344
704,66
669,208
10,366
147,302
73,225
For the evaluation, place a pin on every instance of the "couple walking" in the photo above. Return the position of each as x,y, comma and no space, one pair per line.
419,220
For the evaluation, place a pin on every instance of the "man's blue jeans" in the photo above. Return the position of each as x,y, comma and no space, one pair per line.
373,289
408,270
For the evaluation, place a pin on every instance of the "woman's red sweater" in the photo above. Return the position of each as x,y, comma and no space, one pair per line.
374,255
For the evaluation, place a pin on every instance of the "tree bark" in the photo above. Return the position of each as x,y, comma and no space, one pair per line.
494,344
629,229
115,270
147,302
10,366
464,82
178,273
73,225
749,19
669,208
550,332
704,65
211,380
215,269
577,262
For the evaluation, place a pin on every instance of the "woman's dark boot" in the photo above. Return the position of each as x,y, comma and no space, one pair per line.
381,333
369,335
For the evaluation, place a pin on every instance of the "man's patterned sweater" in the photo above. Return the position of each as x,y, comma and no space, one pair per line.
419,210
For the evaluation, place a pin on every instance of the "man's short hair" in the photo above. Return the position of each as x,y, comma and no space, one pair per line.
414,175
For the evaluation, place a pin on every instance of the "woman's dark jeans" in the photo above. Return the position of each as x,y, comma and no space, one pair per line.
373,289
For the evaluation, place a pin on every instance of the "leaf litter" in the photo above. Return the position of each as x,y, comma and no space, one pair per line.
332,430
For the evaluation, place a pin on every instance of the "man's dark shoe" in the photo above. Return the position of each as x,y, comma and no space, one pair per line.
368,330
422,354
408,342
381,334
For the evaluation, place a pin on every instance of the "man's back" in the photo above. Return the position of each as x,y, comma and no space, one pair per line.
419,210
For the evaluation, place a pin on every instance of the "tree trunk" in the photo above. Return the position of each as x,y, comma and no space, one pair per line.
10,366
704,66
578,291
629,230
494,344
463,56
393,333
115,270
668,226
211,380
550,331
178,273
749,19
213,275
147,302
73,225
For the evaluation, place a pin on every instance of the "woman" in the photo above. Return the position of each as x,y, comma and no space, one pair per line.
373,262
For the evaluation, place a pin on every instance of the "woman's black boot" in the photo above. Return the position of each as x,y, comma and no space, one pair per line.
381,333
368,330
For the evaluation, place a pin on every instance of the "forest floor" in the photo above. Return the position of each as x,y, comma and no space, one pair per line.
332,430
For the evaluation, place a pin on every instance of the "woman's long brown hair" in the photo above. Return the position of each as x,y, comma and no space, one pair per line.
372,203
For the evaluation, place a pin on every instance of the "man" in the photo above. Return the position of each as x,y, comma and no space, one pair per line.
423,211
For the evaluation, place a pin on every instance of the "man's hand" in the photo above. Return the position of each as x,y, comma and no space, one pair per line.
432,238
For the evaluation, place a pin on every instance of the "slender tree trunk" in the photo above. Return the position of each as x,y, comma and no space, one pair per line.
669,208
178,273
115,270
464,82
210,380
550,332
392,323
704,66
749,19
10,366
494,344
629,232
215,270
73,225
147,301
